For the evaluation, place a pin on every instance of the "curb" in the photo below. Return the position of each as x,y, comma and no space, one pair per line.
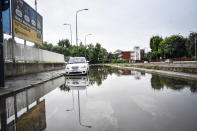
8,92
181,75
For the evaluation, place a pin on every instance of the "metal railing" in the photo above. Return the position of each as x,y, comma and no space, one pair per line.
20,52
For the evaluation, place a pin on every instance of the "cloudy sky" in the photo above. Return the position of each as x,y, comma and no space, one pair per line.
117,24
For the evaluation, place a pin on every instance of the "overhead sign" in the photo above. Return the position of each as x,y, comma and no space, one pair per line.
6,21
27,23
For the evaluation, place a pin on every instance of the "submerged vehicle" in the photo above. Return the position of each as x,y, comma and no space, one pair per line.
77,66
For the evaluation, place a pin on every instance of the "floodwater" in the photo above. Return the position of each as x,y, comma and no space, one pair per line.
106,100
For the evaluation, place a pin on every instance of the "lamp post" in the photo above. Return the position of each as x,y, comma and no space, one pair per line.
36,5
85,43
70,32
76,27
79,109
195,43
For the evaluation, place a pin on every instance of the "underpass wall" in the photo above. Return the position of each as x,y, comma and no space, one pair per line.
17,69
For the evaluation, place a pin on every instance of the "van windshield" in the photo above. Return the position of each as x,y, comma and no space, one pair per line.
77,60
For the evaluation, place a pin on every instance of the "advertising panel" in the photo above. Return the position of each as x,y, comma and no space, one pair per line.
6,21
27,23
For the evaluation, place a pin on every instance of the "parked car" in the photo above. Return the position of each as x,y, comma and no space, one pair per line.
168,61
77,66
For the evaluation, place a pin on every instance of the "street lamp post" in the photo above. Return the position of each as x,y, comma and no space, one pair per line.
70,32
36,5
76,27
85,42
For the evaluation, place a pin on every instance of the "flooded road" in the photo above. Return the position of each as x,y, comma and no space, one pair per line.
107,99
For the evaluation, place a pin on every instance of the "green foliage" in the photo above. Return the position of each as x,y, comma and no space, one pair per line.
64,43
174,46
94,54
118,61
190,44
154,42
154,45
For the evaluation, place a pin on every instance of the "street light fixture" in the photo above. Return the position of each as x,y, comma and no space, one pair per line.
195,43
70,32
85,42
76,27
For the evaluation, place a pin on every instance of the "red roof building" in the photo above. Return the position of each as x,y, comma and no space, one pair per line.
126,55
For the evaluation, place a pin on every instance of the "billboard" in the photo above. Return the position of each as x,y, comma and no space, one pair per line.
6,21
27,23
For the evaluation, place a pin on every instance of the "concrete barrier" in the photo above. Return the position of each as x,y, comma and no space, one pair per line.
16,69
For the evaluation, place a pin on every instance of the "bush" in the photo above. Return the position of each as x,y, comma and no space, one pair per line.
118,61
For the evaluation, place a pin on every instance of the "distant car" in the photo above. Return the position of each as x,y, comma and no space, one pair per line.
77,66
145,61
168,61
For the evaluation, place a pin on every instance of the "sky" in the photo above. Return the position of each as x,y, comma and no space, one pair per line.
117,24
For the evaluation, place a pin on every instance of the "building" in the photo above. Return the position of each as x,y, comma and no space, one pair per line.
136,54
133,56
126,55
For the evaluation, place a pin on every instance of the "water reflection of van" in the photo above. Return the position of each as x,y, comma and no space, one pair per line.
77,82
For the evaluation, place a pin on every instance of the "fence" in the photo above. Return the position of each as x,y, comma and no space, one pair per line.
20,52
176,59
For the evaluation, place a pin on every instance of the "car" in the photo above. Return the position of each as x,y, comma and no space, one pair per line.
77,66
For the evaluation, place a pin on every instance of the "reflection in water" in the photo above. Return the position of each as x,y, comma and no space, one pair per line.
102,108
100,73
76,83
159,82
25,110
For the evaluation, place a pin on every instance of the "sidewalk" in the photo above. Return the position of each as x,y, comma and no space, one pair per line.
21,82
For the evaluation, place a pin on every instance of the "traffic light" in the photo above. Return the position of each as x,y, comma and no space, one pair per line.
5,4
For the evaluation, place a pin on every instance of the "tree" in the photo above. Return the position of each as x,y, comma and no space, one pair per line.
154,42
173,47
154,45
64,43
46,46
190,44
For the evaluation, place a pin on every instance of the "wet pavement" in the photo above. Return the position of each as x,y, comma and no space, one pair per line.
13,84
107,99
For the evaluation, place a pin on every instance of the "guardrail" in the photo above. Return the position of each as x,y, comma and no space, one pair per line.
20,53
